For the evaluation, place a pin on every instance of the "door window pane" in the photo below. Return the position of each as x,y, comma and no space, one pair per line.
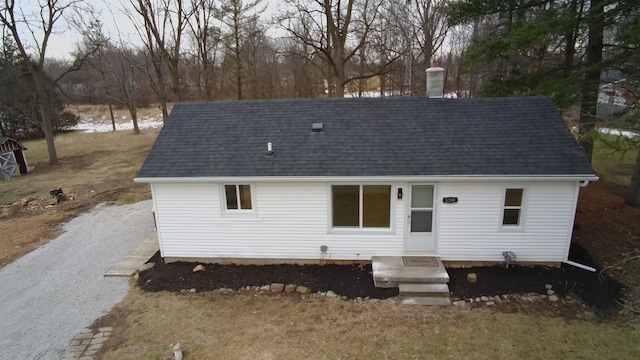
376,206
421,221
346,204
232,198
422,196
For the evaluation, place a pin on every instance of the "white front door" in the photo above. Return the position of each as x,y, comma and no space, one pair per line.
421,214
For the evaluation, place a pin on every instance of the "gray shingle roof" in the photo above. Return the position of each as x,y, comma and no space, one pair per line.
366,137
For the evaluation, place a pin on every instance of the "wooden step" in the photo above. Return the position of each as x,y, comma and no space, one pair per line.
427,301
424,290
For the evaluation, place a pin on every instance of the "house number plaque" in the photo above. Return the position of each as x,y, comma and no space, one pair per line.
450,200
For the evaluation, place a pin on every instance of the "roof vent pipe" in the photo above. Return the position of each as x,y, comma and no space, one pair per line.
435,81
269,149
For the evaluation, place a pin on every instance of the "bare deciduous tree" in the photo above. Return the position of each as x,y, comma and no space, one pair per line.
122,68
207,39
336,30
163,24
32,46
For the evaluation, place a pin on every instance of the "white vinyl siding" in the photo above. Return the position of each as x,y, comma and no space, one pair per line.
470,230
291,222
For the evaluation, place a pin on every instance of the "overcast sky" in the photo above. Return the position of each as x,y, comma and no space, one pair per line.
63,41
116,25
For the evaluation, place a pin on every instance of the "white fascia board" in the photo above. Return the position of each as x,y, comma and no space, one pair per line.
365,179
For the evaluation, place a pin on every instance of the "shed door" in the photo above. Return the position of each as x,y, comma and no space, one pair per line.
421,214
8,166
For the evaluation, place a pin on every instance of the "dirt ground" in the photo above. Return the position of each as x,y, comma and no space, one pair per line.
32,226
608,230
93,168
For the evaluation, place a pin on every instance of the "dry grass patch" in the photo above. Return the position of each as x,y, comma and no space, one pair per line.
92,167
244,326
86,162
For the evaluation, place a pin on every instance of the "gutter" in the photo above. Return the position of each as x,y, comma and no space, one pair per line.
583,179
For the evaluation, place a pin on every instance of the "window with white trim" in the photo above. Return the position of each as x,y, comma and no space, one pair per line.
512,209
238,197
361,206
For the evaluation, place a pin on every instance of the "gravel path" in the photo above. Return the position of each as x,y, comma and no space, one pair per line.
52,293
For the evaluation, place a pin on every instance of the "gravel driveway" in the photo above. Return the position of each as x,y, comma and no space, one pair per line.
52,293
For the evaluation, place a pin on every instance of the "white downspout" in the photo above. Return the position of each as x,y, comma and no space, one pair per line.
581,266
573,263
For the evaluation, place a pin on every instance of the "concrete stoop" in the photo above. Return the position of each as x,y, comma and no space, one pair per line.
425,294
419,285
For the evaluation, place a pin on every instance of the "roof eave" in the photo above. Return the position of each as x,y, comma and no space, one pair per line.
388,178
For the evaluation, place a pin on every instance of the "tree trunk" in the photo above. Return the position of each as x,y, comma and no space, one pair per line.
134,119
571,34
47,128
109,102
339,69
633,199
174,59
236,37
207,79
591,84
175,80
46,114
131,104
113,119
161,91
165,111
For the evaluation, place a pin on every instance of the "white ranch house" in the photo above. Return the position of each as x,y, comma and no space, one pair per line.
317,180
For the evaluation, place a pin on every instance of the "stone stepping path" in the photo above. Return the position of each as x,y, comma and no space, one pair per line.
86,344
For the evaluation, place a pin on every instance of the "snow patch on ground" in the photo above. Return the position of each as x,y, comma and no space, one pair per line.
92,125
628,134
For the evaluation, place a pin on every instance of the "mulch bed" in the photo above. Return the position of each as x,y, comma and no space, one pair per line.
592,288
345,280
355,281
